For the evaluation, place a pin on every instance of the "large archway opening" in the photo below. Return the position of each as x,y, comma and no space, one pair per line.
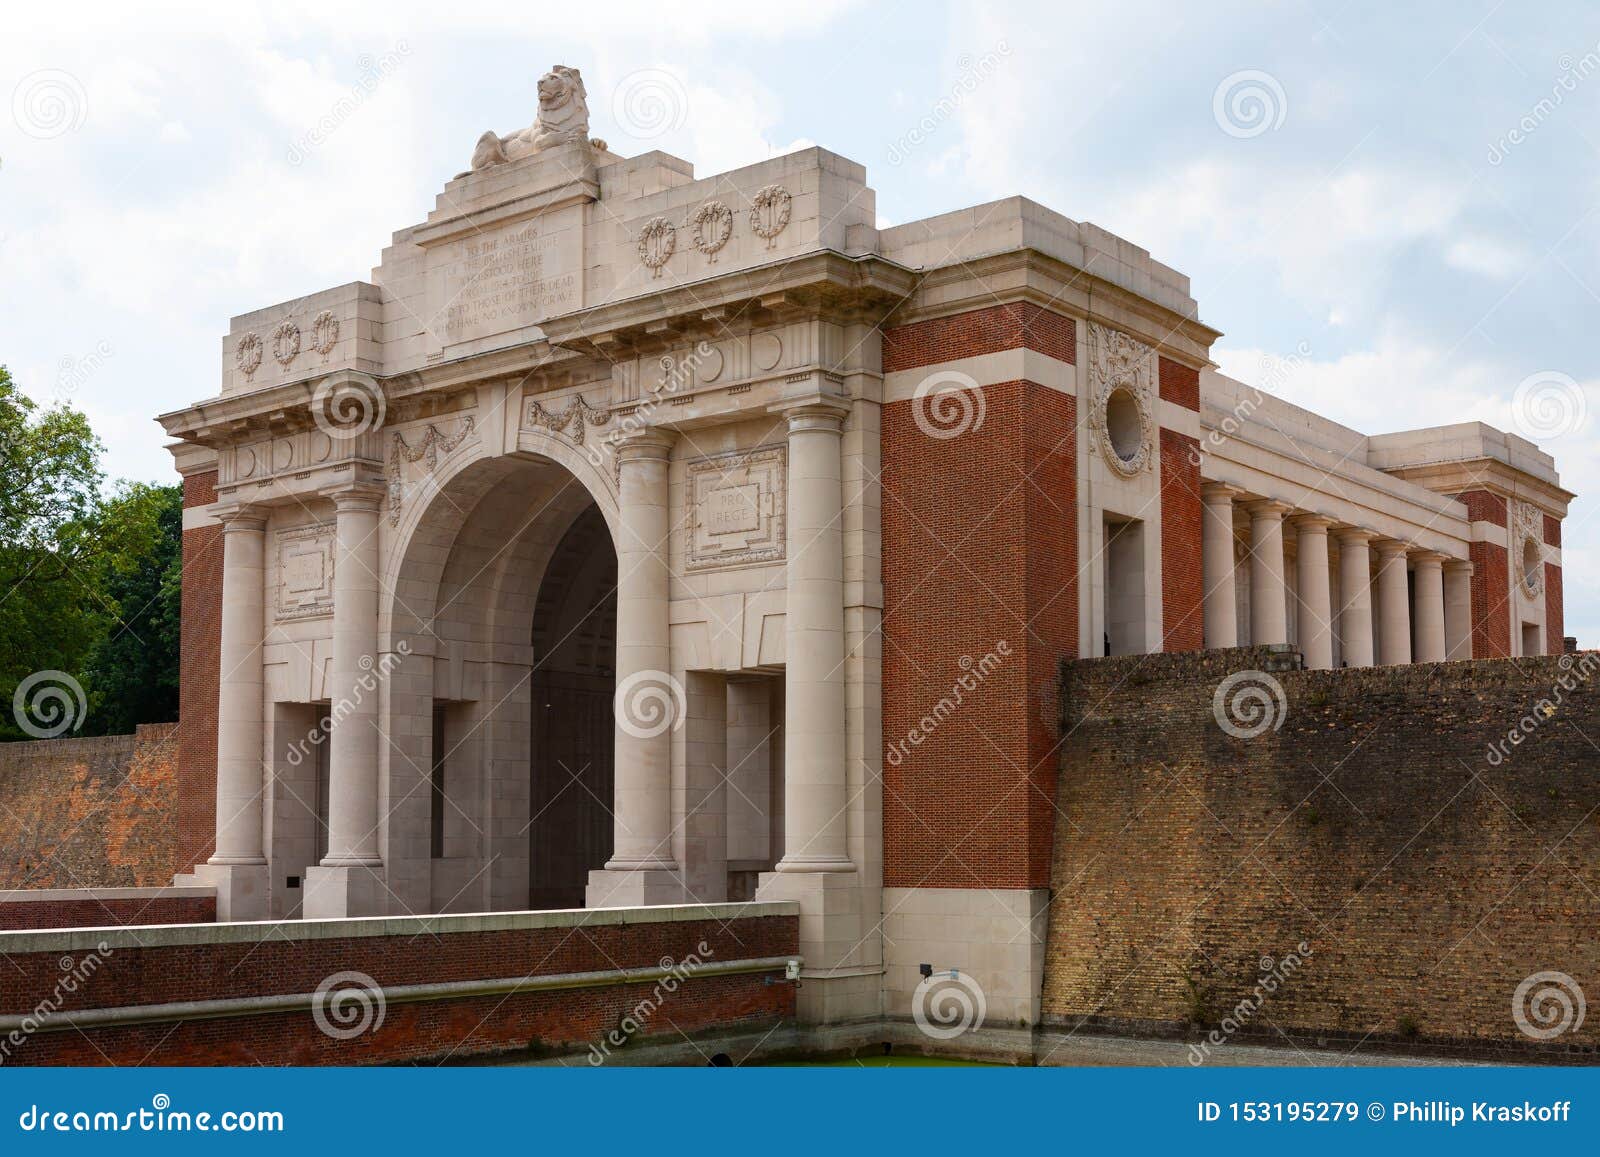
571,738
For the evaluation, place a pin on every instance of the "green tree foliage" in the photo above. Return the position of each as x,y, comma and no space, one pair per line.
89,581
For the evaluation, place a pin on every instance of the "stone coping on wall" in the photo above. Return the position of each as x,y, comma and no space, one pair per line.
171,935
57,895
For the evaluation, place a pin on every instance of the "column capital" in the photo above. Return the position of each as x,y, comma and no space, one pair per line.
1429,558
356,496
236,516
1388,548
1354,536
1219,492
1313,522
648,444
1268,508
1461,566
825,412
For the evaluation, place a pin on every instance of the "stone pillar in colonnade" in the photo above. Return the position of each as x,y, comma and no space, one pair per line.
238,867
1458,609
1315,603
1217,566
1355,589
349,880
1394,604
1269,596
1428,609
648,700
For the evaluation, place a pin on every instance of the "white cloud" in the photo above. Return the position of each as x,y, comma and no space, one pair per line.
1487,256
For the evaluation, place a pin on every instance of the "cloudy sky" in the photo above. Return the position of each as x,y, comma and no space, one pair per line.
1406,201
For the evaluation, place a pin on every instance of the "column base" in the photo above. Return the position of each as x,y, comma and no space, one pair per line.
841,942
637,888
241,890
340,893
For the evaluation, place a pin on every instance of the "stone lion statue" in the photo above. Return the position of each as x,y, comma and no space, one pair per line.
563,116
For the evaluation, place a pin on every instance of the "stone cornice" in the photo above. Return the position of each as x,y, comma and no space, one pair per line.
1035,277
1489,474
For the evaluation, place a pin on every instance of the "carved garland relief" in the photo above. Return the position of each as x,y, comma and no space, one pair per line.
1122,386
427,451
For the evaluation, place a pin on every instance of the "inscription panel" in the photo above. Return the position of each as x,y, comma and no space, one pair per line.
508,278
305,572
738,502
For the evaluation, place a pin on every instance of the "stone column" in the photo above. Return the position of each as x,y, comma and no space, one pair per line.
1429,608
238,869
1216,555
1269,608
349,880
815,784
1458,609
649,701
1355,588
1315,620
1394,604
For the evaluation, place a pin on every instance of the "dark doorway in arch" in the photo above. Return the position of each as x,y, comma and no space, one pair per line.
574,676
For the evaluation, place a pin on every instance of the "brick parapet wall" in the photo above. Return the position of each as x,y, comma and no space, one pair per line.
89,812
198,669
1427,877
979,549
146,967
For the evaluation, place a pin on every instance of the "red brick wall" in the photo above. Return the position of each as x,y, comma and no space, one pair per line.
979,547
107,912
1182,581
425,1030
1483,506
1180,384
1554,612
1018,325
1374,824
93,812
1491,601
201,640
1552,531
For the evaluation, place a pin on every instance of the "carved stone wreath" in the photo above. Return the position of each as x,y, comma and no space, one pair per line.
325,332
657,240
1122,363
247,354
286,343
769,212
427,452
713,225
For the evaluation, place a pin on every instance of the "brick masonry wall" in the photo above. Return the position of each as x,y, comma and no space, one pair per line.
1491,602
201,641
89,812
1427,877
435,1030
1179,384
1554,613
979,547
1182,579
16,915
